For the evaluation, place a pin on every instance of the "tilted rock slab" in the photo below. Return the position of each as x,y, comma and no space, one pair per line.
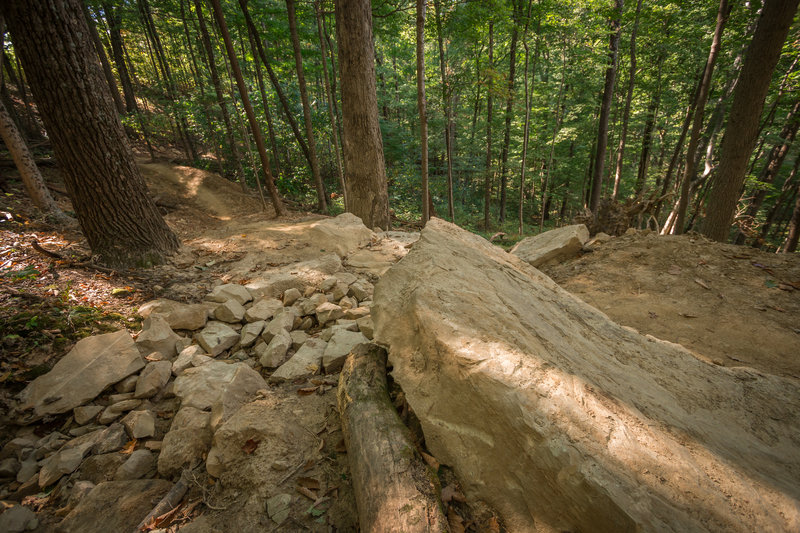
563,420
91,366
552,246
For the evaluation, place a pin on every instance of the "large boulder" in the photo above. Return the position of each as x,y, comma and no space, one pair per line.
342,234
157,336
91,366
565,421
552,246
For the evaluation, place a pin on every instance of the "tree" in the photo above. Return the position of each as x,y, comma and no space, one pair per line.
512,68
448,110
28,171
423,111
120,221
743,121
487,185
248,109
367,195
605,107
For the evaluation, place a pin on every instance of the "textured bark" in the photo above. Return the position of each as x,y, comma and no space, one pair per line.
605,108
26,165
748,102
422,106
528,101
322,205
448,111
512,70
101,54
690,164
120,221
487,185
115,36
395,491
265,102
627,112
248,109
367,195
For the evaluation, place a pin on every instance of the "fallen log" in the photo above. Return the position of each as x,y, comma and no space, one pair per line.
395,490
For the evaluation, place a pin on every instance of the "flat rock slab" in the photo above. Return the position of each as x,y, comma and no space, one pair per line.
91,366
178,315
552,246
565,421
297,276
217,386
115,506
341,234
305,362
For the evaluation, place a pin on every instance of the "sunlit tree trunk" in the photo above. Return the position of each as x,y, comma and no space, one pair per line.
422,106
627,112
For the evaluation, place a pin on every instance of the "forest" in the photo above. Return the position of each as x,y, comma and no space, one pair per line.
513,115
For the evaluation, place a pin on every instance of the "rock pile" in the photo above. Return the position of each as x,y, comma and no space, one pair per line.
148,407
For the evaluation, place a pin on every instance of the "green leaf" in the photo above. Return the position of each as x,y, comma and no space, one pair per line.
771,283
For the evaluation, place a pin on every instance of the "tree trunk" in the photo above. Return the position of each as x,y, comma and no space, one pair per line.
786,190
236,159
367,195
487,194
120,221
448,113
248,109
423,111
627,112
395,490
28,171
101,54
115,36
322,205
605,108
556,127
512,70
748,102
265,102
790,244
528,102
329,96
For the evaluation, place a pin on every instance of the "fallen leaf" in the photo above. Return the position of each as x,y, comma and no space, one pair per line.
308,482
128,449
778,309
307,493
493,525
702,283
770,284
431,460
455,521
785,287
305,391
250,446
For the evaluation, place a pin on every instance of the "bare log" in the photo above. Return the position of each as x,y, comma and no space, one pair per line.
167,503
395,490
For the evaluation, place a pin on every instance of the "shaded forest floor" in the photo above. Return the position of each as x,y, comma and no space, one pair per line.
733,306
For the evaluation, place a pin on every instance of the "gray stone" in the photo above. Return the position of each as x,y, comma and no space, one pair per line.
154,376
91,366
278,507
156,335
127,385
552,246
263,309
86,413
356,313
601,428
328,284
113,411
306,323
111,439
361,290
186,443
185,358
9,467
366,327
338,347
178,315
63,462
342,234
298,338
250,333
15,447
309,306
121,397
347,303
99,468
290,296
139,424
299,275
115,506
339,291
307,361
18,519
328,312
230,311
138,465
282,321
229,291
217,337
272,354
81,489
27,469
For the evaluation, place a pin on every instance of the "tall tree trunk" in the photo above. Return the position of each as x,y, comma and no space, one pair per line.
322,205
248,108
448,113
556,127
786,191
627,112
28,171
115,36
748,102
236,159
362,145
120,221
690,165
265,104
101,54
512,69
605,108
487,193
790,244
423,111
329,96
528,102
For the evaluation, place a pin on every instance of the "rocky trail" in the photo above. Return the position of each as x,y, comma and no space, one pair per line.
671,405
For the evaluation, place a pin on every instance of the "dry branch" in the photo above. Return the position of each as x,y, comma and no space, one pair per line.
395,490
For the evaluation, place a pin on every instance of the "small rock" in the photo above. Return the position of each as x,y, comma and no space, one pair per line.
278,507
338,347
309,307
86,413
18,519
139,424
111,439
250,333
306,324
158,356
154,376
347,303
282,321
156,335
116,398
62,463
328,284
217,337
185,359
328,312
365,326
356,313
83,430
9,467
178,315
290,296
188,440
80,490
27,470
307,360
361,290
298,338
183,343
14,447
137,466
263,309
339,291
230,311
113,411
272,354
127,385
153,445
229,291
